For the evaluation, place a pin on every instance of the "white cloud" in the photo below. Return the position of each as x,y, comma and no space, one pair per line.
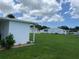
6,6
17,7
75,14
45,18
56,18
47,9
75,8
44,8
41,5
29,18
7,1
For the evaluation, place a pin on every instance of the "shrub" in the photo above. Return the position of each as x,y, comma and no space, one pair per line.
8,42
0,40
2,43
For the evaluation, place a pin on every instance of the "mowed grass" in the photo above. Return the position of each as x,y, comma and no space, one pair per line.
47,46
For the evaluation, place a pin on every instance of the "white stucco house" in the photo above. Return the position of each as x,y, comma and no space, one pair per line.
50,30
76,33
19,28
56,30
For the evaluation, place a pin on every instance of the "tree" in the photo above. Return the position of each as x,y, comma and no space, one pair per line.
10,16
39,27
65,28
71,30
45,28
76,28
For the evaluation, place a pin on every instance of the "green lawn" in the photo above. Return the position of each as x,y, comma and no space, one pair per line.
47,46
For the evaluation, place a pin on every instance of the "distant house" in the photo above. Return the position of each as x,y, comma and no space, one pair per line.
50,30
35,30
39,31
76,33
56,31
19,28
44,31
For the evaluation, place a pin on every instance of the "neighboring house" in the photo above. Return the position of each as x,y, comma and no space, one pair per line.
50,30
44,31
56,31
76,33
19,28
34,30
39,31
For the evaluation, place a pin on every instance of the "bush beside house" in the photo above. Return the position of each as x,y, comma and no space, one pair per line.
7,42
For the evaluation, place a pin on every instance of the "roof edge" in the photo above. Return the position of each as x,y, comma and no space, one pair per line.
16,20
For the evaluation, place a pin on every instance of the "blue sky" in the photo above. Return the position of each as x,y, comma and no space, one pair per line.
52,13
68,20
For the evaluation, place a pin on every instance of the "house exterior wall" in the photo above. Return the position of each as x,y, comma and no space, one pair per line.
4,27
20,32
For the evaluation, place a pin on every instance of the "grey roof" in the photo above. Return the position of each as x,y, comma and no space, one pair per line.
15,20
